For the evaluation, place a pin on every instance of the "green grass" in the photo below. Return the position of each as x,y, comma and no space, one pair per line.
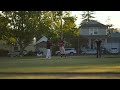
56,64
73,64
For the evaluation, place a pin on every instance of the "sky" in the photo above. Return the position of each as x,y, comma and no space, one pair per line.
102,17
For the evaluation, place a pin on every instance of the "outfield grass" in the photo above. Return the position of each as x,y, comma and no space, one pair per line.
73,64
56,64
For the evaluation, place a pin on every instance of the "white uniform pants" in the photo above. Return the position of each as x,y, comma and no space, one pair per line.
62,50
48,55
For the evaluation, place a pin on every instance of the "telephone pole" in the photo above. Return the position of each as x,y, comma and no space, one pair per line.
61,29
60,13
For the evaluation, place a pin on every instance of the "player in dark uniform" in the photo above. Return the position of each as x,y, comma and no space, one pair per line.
98,43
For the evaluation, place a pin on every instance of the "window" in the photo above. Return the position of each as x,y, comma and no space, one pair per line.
93,31
90,31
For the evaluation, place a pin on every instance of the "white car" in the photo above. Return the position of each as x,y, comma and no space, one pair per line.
17,53
89,52
68,51
114,51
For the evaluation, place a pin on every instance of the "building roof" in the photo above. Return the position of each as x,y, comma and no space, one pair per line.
116,34
43,39
92,23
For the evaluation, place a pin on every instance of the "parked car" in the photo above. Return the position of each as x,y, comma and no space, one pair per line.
114,51
89,52
68,51
17,53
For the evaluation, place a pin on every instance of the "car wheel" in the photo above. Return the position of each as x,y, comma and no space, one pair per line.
58,54
71,54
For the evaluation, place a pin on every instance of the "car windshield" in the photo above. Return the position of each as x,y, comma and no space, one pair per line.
114,48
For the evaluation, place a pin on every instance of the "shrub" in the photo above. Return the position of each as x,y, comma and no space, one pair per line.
3,52
31,53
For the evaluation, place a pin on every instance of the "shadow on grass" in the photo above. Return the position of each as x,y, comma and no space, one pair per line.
113,57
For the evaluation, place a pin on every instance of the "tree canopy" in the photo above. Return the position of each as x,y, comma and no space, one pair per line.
22,26
87,16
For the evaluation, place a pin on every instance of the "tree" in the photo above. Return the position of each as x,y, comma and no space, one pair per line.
60,14
54,20
69,27
63,24
87,16
4,31
71,31
58,29
24,26
110,29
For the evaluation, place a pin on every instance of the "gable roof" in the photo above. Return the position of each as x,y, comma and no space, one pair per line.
92,23
43,39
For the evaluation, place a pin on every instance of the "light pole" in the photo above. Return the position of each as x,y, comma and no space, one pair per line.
60,15
61,29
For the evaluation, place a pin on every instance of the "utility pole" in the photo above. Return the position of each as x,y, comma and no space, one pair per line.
78,47
60,15
61,29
